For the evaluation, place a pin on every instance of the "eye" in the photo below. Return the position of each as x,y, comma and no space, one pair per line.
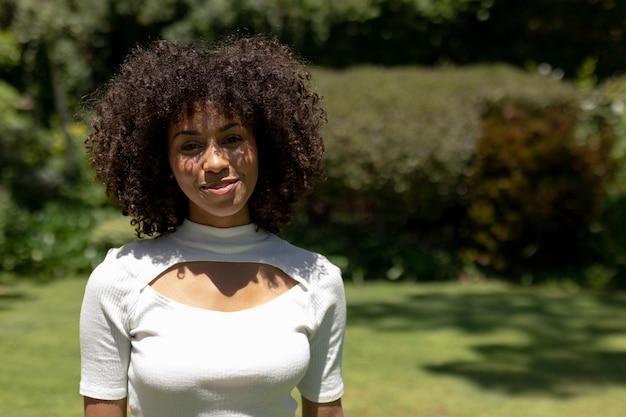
232,140
190,147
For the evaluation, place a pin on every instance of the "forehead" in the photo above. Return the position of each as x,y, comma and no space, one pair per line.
202,115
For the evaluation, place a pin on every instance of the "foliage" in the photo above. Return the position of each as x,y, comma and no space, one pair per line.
399,143
611,97
69,47
405,173
385,177
535,187
50,242
386,133
9,49
608,233
48,206
112,231
410,159
11,119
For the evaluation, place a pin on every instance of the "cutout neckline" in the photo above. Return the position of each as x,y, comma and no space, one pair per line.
222,286
169,302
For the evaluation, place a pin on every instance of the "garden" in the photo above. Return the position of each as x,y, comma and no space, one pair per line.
475,197
449,158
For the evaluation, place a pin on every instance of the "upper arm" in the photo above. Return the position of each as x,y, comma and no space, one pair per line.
323,379
105,341
312,409
105,408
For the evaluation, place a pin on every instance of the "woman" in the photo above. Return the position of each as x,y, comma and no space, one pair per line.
208,150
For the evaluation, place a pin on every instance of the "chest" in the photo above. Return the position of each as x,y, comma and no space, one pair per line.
180,347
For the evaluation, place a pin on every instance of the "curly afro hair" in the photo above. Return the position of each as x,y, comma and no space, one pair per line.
256,78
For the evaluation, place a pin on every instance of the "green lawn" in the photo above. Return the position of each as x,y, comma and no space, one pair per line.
453,350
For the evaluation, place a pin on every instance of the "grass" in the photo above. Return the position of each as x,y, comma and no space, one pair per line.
39,350
484,350
453,350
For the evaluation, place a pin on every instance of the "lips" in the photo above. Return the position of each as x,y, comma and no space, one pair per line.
220,187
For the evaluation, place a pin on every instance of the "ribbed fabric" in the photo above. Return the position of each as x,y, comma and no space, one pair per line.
173,360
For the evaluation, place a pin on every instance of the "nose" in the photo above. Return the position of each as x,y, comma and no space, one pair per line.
214,160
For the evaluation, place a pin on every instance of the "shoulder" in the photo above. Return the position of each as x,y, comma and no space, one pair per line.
306,264
312,269
130,265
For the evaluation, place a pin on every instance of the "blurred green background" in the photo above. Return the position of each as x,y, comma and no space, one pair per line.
475,195
465,138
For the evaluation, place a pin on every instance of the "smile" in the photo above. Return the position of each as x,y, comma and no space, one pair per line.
220,188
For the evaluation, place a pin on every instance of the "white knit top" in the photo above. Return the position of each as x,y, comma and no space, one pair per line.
175,360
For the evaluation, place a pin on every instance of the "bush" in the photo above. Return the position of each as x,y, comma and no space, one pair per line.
113,231
47,243
48,201
535,187
608,234
400,143
610,97
401,138
390,129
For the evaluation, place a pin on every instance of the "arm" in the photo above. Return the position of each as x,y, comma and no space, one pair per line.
104,408
311,409
105,341
323,381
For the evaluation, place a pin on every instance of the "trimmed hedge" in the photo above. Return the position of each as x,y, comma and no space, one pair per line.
402,137
410,161
391,129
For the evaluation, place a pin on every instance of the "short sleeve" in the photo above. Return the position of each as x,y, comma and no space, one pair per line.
104,335
323,381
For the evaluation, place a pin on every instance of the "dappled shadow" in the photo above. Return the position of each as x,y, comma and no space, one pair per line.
563,370
562,344
8,298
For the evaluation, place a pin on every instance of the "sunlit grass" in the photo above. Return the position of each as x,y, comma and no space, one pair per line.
484,350
39,350
423,350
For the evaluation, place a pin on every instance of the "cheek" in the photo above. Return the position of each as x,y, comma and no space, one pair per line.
246,157
184,169
189,166
184,166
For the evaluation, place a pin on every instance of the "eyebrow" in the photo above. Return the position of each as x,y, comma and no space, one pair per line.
198,133
228,126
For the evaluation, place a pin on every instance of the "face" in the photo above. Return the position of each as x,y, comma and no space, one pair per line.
215,162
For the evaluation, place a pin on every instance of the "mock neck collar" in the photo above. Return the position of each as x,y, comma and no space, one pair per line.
222,240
